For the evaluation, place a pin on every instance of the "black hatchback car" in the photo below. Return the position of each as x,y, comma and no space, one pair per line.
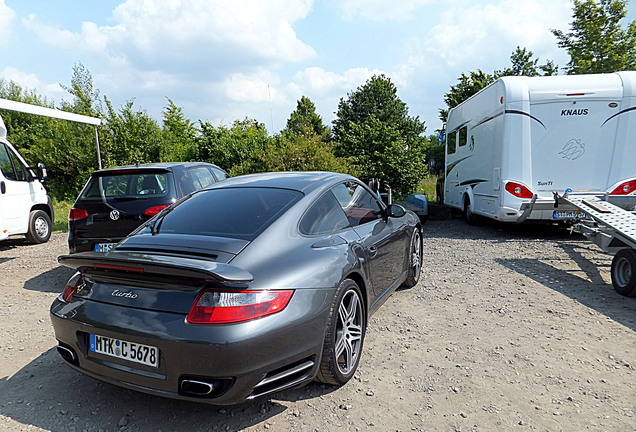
115,201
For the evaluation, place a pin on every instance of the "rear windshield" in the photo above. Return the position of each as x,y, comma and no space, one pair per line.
122,185
229,212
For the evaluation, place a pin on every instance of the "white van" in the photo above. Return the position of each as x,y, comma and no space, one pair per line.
25,207
521,142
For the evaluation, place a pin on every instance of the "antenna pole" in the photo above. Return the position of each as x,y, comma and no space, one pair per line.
99,157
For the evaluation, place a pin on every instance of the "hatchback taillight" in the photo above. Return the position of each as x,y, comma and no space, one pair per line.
625,188
151,211
71,287
519,190
225,307
77,214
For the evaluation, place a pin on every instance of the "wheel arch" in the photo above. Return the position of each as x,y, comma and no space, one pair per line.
359,280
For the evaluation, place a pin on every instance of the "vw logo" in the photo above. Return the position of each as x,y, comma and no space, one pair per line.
114,215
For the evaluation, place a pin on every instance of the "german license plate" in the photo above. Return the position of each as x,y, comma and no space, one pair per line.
570,214
104,247
134,352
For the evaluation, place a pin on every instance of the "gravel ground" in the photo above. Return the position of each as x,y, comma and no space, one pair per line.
510,329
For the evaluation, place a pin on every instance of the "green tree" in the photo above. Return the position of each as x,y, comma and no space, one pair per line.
304,119
522,62
596,42
466,86
85,96
374,132
228,146
290,152
179,135
130,136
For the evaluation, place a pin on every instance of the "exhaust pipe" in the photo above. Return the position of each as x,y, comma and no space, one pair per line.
197,388
67,354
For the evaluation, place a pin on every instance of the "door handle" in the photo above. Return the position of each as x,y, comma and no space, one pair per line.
373,251
3,187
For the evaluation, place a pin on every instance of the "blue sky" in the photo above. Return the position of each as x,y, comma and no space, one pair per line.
224,60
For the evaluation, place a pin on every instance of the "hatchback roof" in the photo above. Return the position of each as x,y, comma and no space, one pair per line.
164,165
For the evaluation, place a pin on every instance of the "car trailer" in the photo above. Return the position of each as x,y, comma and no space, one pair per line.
611,225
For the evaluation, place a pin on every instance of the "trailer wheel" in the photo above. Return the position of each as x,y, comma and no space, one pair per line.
471,218
624,272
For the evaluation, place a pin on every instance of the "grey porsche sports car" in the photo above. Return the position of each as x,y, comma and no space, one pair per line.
257,284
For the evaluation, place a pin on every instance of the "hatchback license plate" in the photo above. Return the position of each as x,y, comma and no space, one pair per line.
571,214
134,352
104,247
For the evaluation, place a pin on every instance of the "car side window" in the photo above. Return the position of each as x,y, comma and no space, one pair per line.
358,204
219,173
201,177
325,216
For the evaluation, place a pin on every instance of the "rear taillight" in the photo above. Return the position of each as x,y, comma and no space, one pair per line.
225,307
625,188
71,287
519,190
77,214
151,211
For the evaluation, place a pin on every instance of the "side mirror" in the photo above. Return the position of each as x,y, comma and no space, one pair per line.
41,171
395,211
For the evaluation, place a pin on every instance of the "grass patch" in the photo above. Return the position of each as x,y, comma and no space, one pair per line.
61,209
427,187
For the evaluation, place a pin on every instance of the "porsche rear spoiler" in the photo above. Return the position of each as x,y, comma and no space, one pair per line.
157,265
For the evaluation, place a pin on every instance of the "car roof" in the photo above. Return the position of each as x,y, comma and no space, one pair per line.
303,181
160,165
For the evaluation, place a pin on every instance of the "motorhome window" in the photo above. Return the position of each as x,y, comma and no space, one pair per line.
451,142
463,135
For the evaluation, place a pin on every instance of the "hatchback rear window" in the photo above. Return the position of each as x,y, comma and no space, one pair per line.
132,185
229,212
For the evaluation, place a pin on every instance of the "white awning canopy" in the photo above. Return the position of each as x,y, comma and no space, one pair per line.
47,112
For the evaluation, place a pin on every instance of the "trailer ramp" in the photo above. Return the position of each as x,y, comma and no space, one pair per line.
612,227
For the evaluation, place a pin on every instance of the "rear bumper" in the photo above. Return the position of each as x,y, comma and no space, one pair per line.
247,360
542,210
550,209
76,244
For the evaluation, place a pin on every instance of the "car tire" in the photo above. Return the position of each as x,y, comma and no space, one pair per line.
623,272
344,337
39,227
415,259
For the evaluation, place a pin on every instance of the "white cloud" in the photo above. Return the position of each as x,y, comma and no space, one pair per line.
184,34
257,88
480,35
320,81
379,10
7,15
28,81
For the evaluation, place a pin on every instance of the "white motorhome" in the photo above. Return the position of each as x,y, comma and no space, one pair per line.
516,146
25,207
